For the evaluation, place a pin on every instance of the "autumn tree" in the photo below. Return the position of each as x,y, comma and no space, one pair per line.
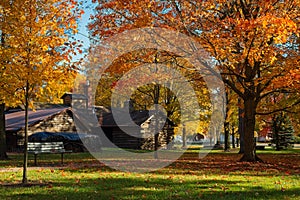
146,96
254,42
36,56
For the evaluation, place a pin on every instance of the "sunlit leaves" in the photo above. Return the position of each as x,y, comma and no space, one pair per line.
253,42
36,47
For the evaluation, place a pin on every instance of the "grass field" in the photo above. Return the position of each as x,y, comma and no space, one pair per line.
216,176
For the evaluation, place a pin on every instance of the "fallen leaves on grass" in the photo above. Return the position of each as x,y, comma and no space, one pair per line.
227,163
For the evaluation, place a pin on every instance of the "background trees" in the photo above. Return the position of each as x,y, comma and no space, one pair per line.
35,59
159,88
254,42
283,131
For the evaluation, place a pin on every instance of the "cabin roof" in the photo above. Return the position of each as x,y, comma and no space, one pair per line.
74,96
16,120
137,116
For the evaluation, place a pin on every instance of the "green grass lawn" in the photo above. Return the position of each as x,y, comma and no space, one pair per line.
216,176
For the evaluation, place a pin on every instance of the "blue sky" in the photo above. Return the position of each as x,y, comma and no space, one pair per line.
83,34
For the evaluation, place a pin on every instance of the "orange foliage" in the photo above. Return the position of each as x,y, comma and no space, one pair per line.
256,43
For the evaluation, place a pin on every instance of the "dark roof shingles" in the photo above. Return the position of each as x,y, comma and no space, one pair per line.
16,121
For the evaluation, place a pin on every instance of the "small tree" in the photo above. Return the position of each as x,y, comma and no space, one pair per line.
283,131
36,57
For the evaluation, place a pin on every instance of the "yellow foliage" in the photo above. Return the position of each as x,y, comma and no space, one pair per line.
33,32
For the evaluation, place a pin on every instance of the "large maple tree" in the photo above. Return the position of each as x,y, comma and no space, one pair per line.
254,42
35,58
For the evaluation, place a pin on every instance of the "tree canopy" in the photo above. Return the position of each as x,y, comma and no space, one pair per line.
255,43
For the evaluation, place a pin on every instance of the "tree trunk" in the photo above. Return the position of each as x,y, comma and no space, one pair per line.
227,135
249,126
276,133
183,137
218,135
241,129
156,132
226,124
25,161
232,137
210,141
3,154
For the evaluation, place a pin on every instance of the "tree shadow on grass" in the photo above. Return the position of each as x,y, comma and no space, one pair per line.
23,185
147,188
